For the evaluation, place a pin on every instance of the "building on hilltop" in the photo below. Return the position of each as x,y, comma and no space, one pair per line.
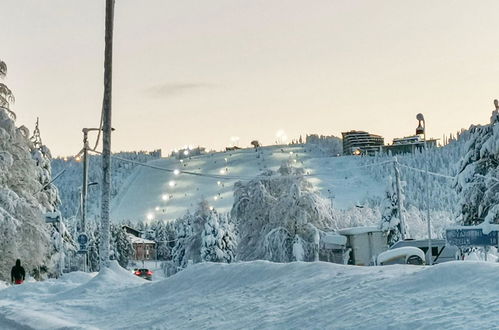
408,144
361,143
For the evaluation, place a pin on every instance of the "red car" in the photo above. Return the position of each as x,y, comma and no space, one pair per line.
144,273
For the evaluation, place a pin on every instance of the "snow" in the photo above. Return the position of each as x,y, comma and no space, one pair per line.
334,239
405,251
262,294
358,230
148,192
138,240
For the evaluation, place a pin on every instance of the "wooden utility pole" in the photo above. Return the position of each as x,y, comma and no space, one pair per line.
106,137
399,199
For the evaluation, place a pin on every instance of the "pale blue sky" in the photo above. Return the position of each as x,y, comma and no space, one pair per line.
199,72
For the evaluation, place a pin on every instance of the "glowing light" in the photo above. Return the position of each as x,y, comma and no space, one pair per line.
290,152
176,171
150,216
294,160
165,197
225,160
215,197
281,136
211,208
77,158
157,208
181,160
171,183
234,140
186,152
219,183
223,171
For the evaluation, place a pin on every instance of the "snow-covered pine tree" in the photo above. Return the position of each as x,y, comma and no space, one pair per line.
121,245
93,249
164,236
219,240
390,222
278,215
478,180
184,232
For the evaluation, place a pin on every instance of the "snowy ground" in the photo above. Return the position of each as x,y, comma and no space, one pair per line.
337,178
265,295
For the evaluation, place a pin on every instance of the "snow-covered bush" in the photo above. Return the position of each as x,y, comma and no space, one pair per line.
278,216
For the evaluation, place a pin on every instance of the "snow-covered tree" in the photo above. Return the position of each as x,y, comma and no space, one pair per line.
219,241
204,235
278,216
6,95
390,221
25,194
478,180
121,245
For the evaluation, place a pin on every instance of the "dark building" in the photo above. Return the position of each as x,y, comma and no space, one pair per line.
361,143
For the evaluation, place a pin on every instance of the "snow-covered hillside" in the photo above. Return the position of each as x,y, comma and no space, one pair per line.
155,194
263,295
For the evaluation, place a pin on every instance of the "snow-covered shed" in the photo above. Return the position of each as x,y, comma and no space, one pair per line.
365,243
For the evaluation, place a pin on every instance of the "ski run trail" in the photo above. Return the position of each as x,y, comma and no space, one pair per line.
155,194
263,295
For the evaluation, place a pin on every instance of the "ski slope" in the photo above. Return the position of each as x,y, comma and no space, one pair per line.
154,194
263,295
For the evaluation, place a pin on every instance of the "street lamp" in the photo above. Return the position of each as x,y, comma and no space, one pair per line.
421,129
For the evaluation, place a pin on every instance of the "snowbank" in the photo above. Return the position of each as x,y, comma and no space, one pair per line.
265,295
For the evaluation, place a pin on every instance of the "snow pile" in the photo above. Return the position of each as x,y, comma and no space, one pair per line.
263,295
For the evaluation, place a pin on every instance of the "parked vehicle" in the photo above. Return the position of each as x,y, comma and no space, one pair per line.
441,252
402,255
144,273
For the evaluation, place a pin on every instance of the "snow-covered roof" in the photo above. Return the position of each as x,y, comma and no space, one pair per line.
358,230
405,251
138,240
334,239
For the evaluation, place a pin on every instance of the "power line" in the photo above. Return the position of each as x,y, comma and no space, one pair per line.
432,173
